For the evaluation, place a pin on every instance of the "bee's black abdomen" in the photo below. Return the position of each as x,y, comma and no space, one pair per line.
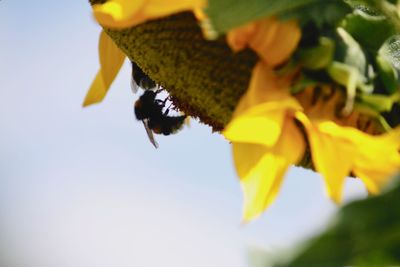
166,125
179,121
144,106
140,113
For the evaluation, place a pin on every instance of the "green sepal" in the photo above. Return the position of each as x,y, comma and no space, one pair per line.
388,75
369,31
373,113
378,102
317,57
351,78
349,68
302,84
350,52
289,66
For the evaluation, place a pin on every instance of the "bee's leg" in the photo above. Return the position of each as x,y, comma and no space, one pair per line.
159,90
162,102
167,110
165,101
159,102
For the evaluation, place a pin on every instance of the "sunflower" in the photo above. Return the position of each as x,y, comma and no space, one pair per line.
315,91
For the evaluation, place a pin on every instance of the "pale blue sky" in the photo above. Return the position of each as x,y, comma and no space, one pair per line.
85,188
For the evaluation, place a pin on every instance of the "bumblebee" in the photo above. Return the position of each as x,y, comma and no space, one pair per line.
140,79
149,110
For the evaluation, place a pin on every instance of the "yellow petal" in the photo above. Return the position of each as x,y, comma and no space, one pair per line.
379,159
161,8
111,60
274,41
261,124
238,38
259,116
337,150
376,159
332,156
373,179
266,86
261,169
261,184
96,92
291,144
126,13
117,13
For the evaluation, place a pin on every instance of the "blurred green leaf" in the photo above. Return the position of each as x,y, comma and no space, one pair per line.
238,12
364,233
326,15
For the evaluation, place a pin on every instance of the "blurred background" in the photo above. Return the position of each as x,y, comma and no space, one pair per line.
85,188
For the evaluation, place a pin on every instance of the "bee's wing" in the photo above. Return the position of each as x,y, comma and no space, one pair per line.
134,86
150,133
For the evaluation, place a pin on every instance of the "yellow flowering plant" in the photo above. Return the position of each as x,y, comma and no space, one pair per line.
321,82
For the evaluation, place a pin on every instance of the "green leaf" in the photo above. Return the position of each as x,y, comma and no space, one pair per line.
364,233
369,31
228,14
